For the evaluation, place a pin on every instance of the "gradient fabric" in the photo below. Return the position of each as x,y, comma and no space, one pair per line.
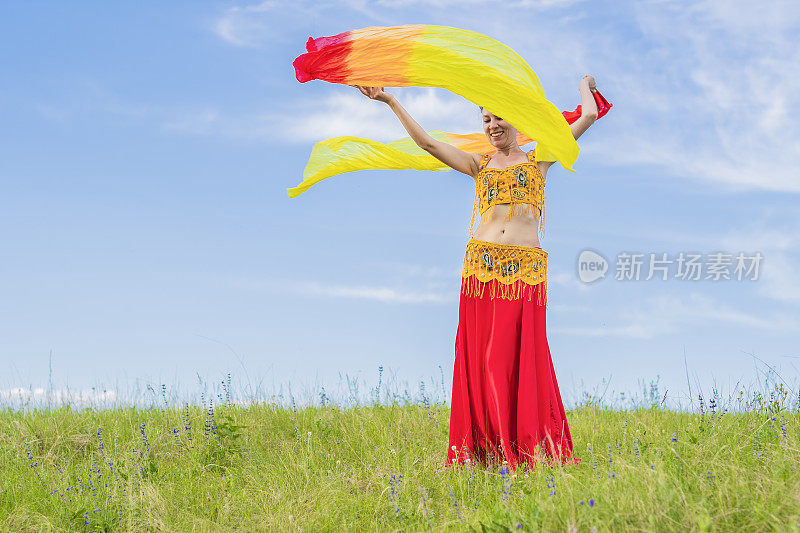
464,62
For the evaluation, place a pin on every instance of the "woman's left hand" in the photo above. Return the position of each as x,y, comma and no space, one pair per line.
589,81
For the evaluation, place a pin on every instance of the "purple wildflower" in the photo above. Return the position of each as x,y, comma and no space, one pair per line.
551,484
504,477
187,425
592,460
455,504
145,442
395,494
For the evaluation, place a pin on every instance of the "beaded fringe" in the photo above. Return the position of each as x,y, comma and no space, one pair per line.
473,287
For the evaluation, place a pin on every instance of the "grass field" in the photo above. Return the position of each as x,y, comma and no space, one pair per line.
380,467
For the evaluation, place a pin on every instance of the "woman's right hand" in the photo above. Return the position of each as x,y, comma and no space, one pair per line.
375,93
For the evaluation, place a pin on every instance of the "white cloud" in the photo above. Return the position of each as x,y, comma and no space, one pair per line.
381,294
390,295
438,4
410,270
779,273
344,111
90,96
780,279
253,25
775,234
569,308
431,284
634,331
39,396
198,122
667,314
566,279
706,98
351,113
214,122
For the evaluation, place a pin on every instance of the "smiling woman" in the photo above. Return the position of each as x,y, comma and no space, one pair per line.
506,402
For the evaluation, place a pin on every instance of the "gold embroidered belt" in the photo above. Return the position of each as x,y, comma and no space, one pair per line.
517,270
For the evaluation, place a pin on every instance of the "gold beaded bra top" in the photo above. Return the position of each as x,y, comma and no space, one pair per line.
520,185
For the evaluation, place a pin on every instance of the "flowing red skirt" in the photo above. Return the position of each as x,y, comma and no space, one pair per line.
506,403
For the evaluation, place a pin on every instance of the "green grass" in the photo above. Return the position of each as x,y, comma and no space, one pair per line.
381,468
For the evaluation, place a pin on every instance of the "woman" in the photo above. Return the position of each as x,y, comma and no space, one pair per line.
506,403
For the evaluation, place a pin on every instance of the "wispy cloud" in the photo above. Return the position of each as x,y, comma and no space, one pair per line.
707,97
780,246
568,308
438,4
410,270
773,233
409,283
210,121
384,294
38,396
781,278
86,96
349,112
255,25
93,97
667,314
566,279
344,111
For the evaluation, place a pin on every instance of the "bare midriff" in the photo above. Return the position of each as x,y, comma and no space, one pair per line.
520,230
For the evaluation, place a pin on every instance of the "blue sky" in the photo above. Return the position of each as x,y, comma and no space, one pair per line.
148,237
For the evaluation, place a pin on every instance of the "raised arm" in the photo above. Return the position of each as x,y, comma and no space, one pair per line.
588,115
448,154
588,107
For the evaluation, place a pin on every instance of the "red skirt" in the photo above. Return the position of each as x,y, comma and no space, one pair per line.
506,404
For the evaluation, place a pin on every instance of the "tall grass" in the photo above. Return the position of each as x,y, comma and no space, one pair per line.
231,465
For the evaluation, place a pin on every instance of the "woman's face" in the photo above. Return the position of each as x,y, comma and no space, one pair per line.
499,132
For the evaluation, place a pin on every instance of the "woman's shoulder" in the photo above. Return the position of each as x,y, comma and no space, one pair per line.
480,161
